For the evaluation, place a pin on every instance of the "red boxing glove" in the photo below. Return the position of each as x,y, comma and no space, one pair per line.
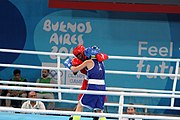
84,71
101,57
105,99
83,87
76,62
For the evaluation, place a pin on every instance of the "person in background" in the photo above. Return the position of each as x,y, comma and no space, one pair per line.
33,104
46,95
16,93
131,111
2,93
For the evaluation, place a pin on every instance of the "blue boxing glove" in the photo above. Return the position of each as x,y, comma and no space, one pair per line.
91,51
68,63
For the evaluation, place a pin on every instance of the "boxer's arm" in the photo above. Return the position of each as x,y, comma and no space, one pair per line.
76,62
88,63
84,71
101,57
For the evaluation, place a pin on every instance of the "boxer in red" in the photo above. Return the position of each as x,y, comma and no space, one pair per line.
79,53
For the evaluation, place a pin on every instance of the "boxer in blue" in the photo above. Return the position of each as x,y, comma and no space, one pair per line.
96,77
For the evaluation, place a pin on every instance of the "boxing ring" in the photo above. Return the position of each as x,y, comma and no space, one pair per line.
16,116
16,113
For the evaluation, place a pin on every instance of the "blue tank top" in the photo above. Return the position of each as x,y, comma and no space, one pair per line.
97,72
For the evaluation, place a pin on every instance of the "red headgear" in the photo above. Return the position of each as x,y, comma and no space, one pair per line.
79,50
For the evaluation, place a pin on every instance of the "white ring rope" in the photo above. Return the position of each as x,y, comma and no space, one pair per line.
106,104
58,112
142,58
34,52
85,113
106,71
88,92
77,86
66,54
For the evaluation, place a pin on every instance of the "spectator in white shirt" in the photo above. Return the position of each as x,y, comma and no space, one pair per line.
33,104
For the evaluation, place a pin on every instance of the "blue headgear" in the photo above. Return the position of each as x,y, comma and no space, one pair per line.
92,51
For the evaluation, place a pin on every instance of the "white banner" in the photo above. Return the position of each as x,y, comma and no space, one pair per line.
72,79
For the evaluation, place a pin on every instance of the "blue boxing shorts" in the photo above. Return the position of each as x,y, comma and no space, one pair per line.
93,101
